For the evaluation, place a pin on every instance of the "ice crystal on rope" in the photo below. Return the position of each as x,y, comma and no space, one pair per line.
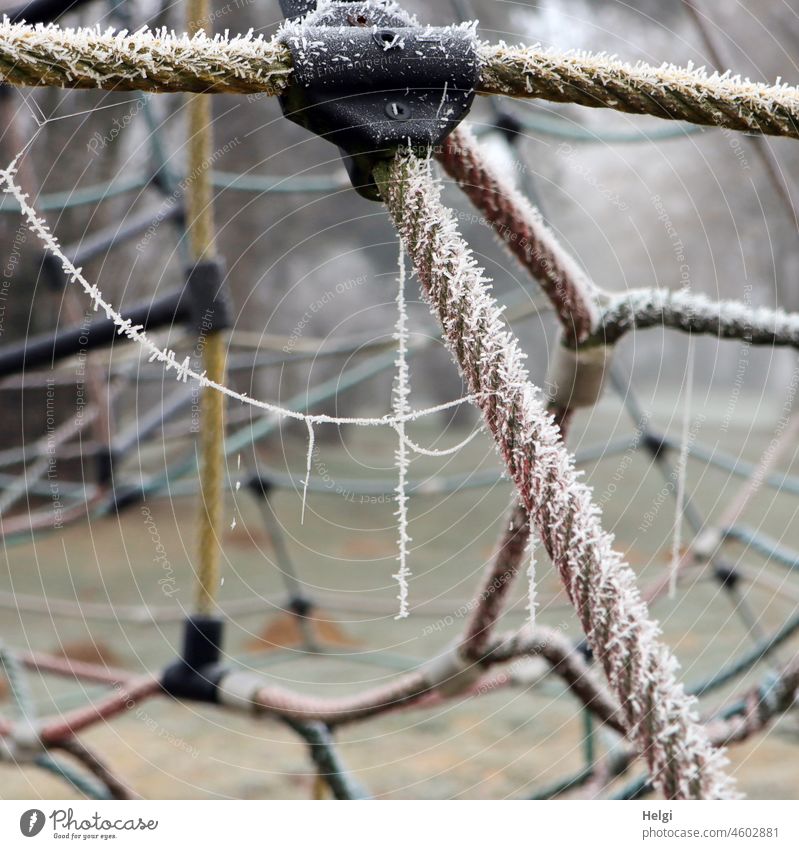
401,407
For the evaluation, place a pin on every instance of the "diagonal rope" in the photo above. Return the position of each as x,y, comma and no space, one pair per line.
523,232
659,716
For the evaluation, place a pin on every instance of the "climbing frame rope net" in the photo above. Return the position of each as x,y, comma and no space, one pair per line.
639,696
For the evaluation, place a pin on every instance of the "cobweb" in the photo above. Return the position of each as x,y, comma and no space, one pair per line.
402,413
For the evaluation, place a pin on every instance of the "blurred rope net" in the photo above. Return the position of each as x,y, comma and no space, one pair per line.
643,712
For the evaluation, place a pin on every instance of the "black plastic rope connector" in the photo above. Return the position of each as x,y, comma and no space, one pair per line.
124,496
726,574
300,606
510,127
260,485
369,80
104,461
585,650
196,674
655,444
208,308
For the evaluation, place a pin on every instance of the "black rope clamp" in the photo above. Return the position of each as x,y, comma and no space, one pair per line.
369,79
208,309
196,674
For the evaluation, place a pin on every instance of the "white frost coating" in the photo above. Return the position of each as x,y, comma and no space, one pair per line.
401,406
441,452
317,60
78,52
688,310
696,83
308,462
296,27
51,55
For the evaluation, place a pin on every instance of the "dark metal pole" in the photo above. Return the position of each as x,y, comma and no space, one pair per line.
45,349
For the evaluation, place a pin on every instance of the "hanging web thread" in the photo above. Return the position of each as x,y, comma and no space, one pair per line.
401,407
532,585
308,461
402,413
682,472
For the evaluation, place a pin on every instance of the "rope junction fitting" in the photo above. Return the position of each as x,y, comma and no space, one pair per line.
368,79
195,675
577,376
209,307
201,306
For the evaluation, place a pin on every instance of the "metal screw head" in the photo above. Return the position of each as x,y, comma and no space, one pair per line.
387,38
398,111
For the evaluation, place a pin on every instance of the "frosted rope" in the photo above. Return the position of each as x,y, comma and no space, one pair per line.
532,583
160,60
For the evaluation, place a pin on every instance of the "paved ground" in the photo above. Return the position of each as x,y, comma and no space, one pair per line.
504,744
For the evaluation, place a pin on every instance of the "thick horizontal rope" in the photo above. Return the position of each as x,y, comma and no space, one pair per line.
248,64
665,91
142,61
659,716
